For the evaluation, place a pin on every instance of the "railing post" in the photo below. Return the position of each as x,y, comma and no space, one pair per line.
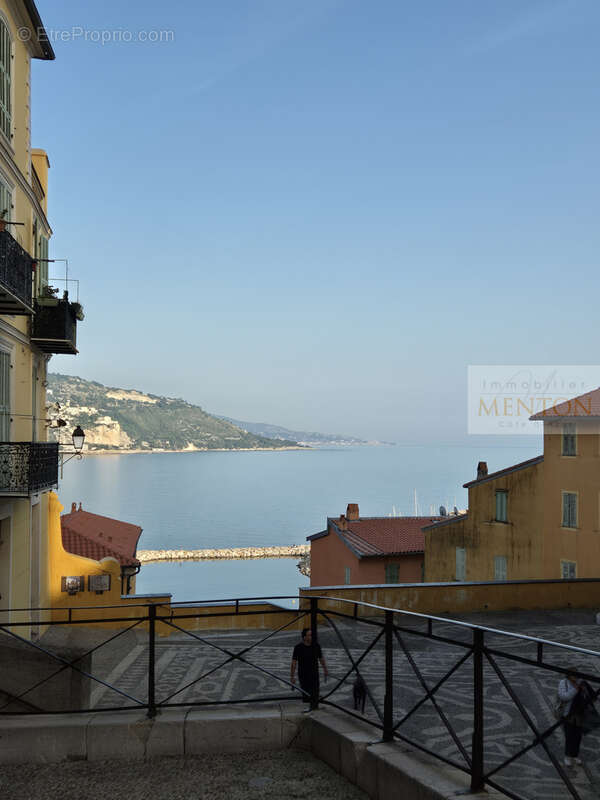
151,661
477,782
388,702
314,692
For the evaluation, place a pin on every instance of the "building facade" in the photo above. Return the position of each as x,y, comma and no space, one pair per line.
539,519
355,550
35,320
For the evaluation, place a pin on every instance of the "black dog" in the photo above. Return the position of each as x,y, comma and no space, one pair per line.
359,692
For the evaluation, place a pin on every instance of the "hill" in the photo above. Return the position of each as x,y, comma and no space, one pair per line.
127,419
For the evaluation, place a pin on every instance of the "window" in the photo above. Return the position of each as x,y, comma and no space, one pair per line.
4,396
569,510
499,568
501,505
346,575
42,267
569,439
568,569
391,573
461,564
5,80
5,201
40,255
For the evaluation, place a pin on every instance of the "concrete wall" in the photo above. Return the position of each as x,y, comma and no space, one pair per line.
24,667
462,598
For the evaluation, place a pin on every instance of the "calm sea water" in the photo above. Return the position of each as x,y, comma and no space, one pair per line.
235,499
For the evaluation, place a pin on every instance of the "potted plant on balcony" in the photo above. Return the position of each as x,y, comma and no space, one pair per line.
47,296
77,310
3,219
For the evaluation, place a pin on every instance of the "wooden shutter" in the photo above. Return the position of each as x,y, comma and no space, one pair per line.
461,563
4,396
499,568
569,510
5,80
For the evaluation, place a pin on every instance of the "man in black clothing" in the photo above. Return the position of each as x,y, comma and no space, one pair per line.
303,659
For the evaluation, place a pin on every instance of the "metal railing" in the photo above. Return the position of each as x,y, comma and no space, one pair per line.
54,327
16,270
467,695
27,467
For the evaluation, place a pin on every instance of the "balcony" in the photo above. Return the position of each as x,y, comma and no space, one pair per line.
16,267
27,467
54,326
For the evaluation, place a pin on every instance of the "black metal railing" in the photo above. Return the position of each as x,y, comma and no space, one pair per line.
27,467
54,326
474,697
16,272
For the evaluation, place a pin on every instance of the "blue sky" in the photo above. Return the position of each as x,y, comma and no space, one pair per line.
319,213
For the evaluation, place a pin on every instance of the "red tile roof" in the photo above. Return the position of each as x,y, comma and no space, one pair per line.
94,536
585,405
382,536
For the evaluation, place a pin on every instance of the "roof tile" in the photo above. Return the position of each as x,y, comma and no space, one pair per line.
380,536
94,536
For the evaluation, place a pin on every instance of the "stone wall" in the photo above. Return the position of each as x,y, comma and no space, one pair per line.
290,551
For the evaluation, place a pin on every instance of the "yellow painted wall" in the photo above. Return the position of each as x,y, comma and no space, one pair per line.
29,548
520,540
580,474
462,598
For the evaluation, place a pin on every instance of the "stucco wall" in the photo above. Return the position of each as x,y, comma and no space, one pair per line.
580,474
329,557
462,598
520,539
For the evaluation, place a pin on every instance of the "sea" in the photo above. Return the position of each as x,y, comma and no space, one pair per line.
215,499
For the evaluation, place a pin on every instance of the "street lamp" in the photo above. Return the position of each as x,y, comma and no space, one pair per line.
78,437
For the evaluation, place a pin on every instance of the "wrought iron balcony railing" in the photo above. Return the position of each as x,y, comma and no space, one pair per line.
16,268
54,326
27,467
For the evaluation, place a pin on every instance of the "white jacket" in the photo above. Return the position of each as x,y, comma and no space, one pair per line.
566,694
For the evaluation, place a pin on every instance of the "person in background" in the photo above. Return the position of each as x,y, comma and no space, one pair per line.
302,658
575,695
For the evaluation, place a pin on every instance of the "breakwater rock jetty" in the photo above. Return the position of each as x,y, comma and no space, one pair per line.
288,551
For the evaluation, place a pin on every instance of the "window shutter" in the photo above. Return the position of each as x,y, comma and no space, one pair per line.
43,265
569,510
500,568
4,396
5,80
461,563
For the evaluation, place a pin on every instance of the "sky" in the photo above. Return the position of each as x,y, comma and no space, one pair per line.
319,213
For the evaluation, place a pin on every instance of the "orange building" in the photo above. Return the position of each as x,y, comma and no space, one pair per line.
539,519
368,550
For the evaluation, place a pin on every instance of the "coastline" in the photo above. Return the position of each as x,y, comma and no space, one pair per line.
133,451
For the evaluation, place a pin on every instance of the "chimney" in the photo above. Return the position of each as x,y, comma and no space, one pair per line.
482,470
342,523
73,508
352,511
80,507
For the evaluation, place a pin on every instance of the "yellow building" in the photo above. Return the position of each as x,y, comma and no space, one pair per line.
536,520
35,322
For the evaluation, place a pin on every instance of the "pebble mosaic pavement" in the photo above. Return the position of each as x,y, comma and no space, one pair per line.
181,659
